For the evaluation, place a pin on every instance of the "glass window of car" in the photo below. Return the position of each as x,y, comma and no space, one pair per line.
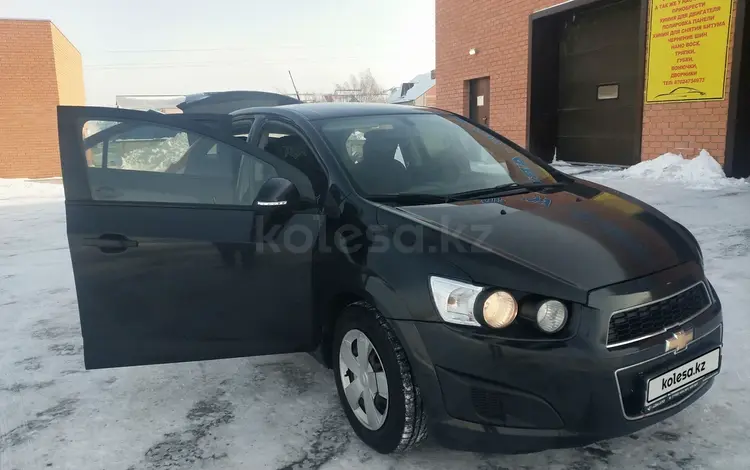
442,155
241,129
355,147
144,162
285,142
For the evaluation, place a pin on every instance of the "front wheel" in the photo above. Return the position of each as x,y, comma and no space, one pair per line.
374,381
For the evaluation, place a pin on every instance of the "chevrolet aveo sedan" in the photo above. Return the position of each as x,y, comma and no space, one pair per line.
455,284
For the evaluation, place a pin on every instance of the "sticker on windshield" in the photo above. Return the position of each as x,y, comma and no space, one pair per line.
542,200
526,170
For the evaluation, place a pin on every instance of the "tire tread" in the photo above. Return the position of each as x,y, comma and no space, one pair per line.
415,425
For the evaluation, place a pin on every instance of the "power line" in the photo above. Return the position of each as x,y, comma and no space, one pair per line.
148,65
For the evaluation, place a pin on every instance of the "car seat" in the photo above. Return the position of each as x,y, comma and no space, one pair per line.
294,150
379,172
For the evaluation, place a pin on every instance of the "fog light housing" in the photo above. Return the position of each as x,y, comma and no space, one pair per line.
499,309
551,316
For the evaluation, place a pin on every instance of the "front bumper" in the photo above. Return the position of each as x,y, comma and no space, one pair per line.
486,394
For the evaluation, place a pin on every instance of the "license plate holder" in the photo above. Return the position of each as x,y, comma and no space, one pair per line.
680,379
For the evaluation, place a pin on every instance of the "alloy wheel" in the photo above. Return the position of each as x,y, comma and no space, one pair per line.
363,379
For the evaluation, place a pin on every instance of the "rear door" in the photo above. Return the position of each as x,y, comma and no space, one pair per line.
169,261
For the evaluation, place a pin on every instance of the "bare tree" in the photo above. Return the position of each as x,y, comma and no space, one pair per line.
362,88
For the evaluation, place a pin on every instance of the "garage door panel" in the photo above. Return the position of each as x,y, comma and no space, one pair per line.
588,122
585,95
612,150
600,47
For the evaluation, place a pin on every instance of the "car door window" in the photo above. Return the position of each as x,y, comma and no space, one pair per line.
286,143
241,129
145,162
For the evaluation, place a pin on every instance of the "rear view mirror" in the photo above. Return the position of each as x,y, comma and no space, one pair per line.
277,193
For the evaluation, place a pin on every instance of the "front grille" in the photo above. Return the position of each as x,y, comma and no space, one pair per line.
655,317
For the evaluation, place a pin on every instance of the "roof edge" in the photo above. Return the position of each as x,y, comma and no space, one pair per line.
38,20
65,37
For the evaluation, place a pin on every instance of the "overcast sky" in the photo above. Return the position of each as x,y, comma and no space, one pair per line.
187,46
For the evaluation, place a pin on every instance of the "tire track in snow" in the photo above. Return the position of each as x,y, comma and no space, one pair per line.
182,449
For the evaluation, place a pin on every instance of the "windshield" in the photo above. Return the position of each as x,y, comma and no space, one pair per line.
429,154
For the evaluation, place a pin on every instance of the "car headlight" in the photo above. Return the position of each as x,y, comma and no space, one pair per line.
549,315
464,304
499,309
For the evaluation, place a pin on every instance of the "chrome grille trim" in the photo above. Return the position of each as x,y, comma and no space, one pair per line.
667,328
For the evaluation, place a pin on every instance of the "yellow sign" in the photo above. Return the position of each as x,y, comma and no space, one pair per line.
687,55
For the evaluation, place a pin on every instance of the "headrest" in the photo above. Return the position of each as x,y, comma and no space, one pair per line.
380,144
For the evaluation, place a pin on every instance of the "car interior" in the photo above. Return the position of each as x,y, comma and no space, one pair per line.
286,143
379,172
393,162
390,159
203,173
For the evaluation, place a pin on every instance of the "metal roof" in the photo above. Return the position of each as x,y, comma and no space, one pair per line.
422,84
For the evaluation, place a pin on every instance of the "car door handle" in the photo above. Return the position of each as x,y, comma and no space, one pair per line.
111,243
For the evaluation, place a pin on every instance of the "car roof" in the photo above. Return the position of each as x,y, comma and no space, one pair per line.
315,111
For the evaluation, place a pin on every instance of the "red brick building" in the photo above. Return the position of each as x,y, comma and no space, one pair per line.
608,81
39,69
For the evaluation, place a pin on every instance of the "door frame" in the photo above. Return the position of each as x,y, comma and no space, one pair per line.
742,16
78,199
566,7
70,119
468,86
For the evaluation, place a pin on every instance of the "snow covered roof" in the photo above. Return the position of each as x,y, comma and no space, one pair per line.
422,84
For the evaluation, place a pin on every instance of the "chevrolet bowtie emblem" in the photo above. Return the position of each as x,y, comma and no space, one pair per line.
679,340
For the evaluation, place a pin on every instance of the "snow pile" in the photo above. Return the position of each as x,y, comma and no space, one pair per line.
18,192
702,170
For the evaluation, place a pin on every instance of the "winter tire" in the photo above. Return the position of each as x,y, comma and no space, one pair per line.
374,382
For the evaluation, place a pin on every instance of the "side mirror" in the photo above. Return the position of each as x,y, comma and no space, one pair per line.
277,193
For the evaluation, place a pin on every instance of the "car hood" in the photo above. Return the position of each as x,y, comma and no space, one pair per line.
583,237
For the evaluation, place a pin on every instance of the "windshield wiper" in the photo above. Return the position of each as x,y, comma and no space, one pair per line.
422,198
409,198
501,189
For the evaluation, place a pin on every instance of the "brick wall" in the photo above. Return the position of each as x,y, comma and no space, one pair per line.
69,70
427,99
499,30
430,98
29,94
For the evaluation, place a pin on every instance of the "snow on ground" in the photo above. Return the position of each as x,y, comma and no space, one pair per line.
281,412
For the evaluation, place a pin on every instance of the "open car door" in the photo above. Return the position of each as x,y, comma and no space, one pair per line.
169,259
